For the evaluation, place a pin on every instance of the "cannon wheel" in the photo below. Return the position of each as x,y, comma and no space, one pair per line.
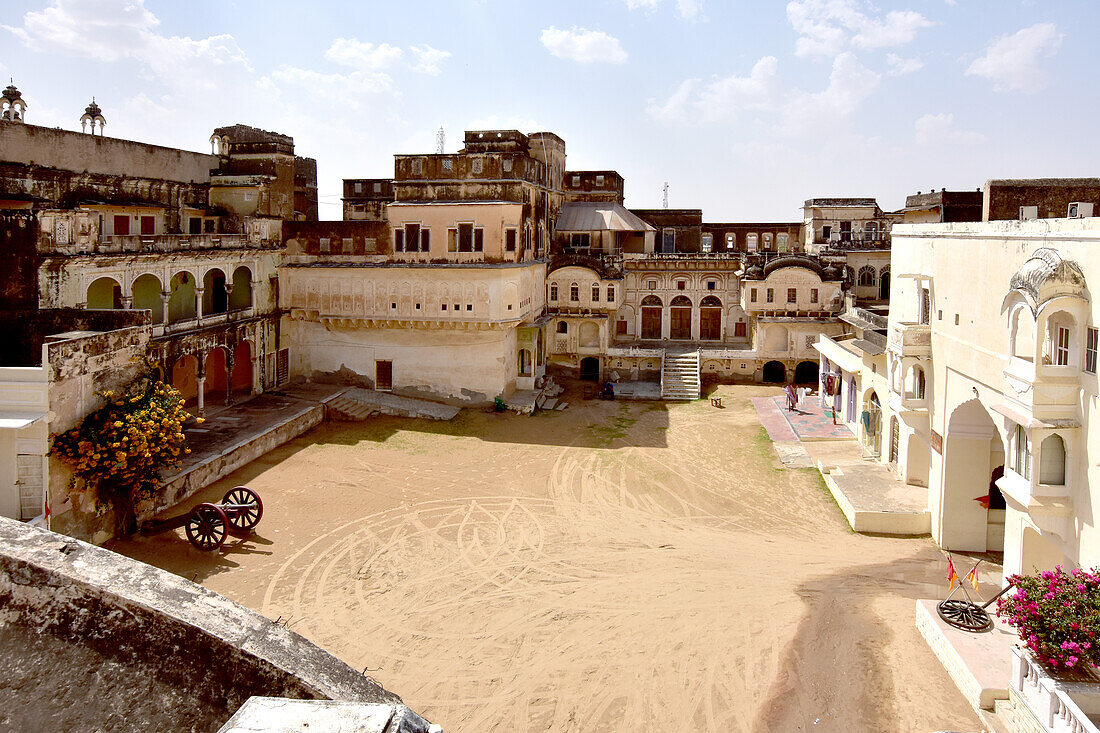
245,519
207,527
964,615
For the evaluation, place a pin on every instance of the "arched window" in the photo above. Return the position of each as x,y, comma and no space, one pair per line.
1021,453
710,302
866,277
1052,461
651,300
918,383
574,292
563,327
553,292
680,301
1021,333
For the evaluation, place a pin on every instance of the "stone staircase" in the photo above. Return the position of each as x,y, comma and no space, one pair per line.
360,404
680,376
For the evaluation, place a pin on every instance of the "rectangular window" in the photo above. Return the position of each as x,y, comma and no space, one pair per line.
579,241
813,295
378,188
506,164
750,242
781,242
452,240
826,232
324,244
651,284
476,165
425,240
417,165
509,240
681,284
1061,348
412,237
398,240
596,293
348,244
620,328
752,295
194,225
122,225
370,245
599,180
358,187
925,306
574,293
792,295
148,225
708,242
208,225
771,295
479,240
610,293
576,181
1090,350
712,285
448,165
553,292
668,240
465,237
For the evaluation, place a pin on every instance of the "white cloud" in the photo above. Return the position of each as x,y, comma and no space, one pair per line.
353,52
428,59
686,9
900,66
1012,62
116,31
940,129
583,45
827,27
338,89
760,94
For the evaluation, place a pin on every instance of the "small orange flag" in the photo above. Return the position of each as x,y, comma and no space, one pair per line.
951,574
972,576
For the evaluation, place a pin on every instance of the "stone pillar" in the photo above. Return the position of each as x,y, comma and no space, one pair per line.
228,296
165,296
198,304
228,377
201,380
127,302
666,322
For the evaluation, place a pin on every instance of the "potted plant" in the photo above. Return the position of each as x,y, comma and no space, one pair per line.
1057,615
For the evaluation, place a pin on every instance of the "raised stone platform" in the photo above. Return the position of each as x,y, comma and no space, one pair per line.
233,436
874,500
979,664
279,715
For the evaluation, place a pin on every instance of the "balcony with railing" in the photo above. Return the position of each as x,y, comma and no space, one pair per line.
1053,705
911,340
137,243
848,241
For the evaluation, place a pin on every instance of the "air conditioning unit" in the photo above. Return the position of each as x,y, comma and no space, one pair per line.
1029,212
1079,210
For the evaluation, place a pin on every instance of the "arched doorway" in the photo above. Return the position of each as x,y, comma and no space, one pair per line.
216,387
884,283
181,301
104,294
241,297
710,319
871,421
775,373
146,292
185,378
524,362
214,299
651,317
241,380
680,312
806,372
973,451
590,368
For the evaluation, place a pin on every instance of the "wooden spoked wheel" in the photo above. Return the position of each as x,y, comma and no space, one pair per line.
243,508
207,527
964,615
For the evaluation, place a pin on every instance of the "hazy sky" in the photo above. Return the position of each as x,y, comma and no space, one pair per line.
745,107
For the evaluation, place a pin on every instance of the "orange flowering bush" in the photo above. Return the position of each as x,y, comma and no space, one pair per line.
122,446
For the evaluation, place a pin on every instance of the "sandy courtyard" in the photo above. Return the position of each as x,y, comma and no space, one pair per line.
616,566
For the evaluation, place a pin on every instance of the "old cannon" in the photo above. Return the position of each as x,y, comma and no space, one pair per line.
207,525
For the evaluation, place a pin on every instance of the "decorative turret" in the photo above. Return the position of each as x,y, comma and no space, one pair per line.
12,106
92,115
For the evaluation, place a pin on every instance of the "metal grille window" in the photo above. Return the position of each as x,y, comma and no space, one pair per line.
476,165
1090,350
448,165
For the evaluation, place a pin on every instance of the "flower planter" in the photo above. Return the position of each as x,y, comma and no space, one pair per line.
1055,703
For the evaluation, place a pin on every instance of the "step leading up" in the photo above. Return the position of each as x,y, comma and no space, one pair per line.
680,376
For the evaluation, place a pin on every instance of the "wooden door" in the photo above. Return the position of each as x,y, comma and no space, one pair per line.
681,324
710,324
148,225
383,375
651,323
122,225
28,470
739,330
895,434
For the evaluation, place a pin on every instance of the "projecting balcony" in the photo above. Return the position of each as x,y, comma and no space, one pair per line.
1046,393
911,340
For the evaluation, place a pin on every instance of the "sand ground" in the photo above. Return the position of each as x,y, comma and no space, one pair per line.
616,566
